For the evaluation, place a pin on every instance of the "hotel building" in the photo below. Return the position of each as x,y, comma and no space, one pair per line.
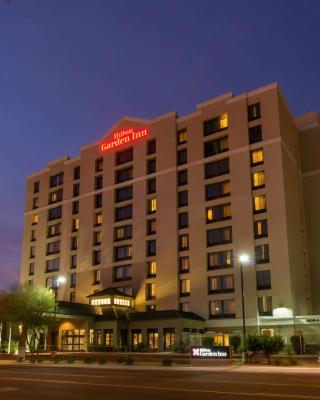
147,226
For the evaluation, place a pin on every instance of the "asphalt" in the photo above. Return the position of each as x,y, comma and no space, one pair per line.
131,383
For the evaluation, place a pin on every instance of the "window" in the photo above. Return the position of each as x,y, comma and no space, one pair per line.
265,306
222,308
220,259
76,190
184,266
184,287
182,157
74,243
151,166
72,297
52,282
216,124
182,177
75,207
99,165
152,339
122,273
73,280
217,190
151,269
35,202
98,182
220,284
254,112
126,290
75,224
151,307
183,242
56,180
151,248
151,205
218,213
36,187
262,254
258,180
96,238
183,220
124,175
54,230
168,339
96,276
151,146
53,265
124,194
73,261
263,280
123,232
182,136
98,200
255,134
98,219
122,253
54,213
260,228
31,268
150,291
96,257
183,198
256,157
217,146
33,235
123,213
217,168
56,196
151,186
151,226
53,247
219,236
259,204
76,173
124,156
34,219
136,338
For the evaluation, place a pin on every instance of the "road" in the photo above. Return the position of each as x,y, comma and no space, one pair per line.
37,383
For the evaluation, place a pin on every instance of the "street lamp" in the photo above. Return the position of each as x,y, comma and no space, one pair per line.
244,259
59,281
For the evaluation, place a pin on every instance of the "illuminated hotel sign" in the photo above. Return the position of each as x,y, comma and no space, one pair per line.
123,137
213,353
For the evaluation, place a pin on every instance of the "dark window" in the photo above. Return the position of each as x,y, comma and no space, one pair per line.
260,228
265,306
56,180
98,200
96,276
98,182
183,242
33,235
183,198
151,166
183,220
219,236
182,136
184,266
72,297
76,173
73,261
254,112
74,242
122,253
124,194
31,268
53,247
182,157
96,238
124,175
35,202
262,254
124,156
150,291
75,207
151,186
73,280
123,213
220,259
216,146
222,308
151,146
218,213
217,190
53,265
255,134
216,124
122,273
123,232
54,213
36,187
99,165
151,226
54,230
182,177
217,168
96,257
151,248
263,280
56,196
220,284
76,190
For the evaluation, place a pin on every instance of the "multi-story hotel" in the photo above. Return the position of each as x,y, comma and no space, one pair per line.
148,225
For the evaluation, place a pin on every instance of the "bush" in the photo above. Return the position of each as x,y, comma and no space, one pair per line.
70,360
129,361
102,361
235,342
312,348
266,344
20,359
39,360
121,360
297,343
207,341
166,362
88,360
141,347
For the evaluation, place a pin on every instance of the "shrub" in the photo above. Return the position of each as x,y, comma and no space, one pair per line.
297,343
20,359
70,360
292,361
235,342
312,349
166,362
266,344
129,361
102,361
207,341
121,360
88,360
39,360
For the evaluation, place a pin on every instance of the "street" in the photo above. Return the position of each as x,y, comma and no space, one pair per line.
33,382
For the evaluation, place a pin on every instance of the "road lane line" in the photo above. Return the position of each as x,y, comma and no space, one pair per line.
254,394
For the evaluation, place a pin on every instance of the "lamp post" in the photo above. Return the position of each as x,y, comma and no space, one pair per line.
244,258
60,280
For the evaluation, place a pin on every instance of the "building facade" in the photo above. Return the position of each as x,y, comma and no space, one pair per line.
162,209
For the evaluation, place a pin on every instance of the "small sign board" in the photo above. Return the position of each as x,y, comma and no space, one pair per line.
210,353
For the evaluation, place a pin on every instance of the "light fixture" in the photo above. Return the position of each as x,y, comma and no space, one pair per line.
244,258
61,280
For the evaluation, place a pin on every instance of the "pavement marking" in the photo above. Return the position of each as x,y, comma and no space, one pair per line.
8,389
253,394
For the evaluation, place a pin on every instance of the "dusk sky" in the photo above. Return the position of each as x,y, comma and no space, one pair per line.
70,69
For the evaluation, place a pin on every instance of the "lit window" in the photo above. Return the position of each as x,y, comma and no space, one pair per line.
152,269
257,157
254,112
182,136
152,205
98,219
150,291
75,224
34,219
259,204
183,242
96,276
185,287
258,179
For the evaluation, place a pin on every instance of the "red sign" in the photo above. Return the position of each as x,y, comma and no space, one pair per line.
124,137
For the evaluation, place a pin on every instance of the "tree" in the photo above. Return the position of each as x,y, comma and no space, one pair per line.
30,308
235,341
266,344
297,342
